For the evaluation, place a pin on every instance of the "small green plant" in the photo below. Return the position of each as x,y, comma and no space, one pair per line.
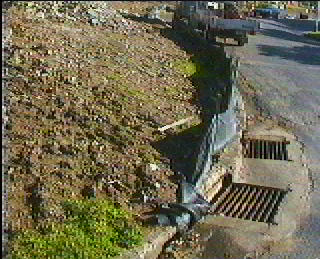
94,229
200,66
186,67
264,5
147,157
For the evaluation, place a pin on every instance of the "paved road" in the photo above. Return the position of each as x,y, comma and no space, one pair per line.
285,68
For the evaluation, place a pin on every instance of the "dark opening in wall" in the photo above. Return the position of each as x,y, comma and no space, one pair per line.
249,202
265,149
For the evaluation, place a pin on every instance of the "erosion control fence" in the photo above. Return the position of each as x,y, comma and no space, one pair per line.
222,130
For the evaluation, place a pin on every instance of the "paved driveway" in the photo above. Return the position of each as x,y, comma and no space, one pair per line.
285,68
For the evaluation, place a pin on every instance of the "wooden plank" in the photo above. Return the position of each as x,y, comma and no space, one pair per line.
180,122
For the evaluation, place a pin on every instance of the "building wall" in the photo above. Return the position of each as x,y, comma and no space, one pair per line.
293,3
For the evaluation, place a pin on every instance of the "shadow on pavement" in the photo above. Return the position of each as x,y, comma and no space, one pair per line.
272,22
284,35
297,24
302,54
214,249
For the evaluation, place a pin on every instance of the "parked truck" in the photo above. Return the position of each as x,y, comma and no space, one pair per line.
247,25
236,29
213,26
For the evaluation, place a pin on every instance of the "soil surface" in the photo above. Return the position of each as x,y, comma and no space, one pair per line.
87,96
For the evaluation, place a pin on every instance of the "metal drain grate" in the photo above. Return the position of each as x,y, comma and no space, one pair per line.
249,202
265,149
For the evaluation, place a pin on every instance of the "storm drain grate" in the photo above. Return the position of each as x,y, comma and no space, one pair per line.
265,149
250,202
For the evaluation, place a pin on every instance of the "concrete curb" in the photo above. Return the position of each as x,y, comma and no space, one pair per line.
153,245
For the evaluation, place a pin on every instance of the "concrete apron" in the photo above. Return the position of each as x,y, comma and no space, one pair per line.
226,237
152,246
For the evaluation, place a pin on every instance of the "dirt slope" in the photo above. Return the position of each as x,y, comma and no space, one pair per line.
84,103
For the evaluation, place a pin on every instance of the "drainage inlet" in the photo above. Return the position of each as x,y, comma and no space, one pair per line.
250,202
265,149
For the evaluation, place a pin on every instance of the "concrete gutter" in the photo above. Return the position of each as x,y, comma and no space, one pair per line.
153,244
237,238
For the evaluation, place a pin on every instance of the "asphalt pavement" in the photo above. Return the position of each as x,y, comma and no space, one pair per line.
284,67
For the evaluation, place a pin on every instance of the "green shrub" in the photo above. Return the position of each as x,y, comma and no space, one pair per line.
314,35
147,157
93,229
264,5
187,67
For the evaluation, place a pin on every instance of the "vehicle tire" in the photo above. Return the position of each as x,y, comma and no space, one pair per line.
240,43
214,39
212,36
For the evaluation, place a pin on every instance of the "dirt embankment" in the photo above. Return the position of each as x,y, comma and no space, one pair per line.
90,87
86,97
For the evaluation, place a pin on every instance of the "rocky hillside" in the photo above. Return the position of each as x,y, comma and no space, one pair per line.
88,89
